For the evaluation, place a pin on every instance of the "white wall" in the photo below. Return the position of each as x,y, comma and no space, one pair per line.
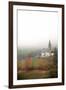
4,45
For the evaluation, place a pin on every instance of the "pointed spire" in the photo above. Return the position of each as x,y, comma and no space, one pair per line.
49,45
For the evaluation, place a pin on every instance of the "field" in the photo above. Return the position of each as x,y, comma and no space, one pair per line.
37,68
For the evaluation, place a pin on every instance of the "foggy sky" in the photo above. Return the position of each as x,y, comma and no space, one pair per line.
35,29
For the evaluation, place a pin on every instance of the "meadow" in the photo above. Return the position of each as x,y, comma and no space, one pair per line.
31,67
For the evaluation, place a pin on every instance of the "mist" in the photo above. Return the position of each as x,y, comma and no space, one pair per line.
35,29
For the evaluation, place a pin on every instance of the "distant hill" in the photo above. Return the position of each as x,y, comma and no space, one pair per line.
23,53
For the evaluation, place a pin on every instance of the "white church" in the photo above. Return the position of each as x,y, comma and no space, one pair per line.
46,52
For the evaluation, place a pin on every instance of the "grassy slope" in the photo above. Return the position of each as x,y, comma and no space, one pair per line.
39,68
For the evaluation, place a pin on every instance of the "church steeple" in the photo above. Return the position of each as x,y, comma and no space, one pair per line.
49,45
